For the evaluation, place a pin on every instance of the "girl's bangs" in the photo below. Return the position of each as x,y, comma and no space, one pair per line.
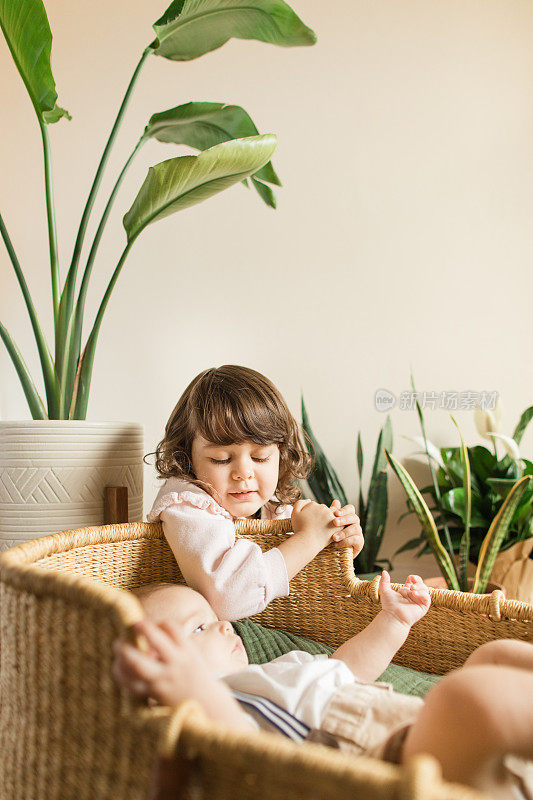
228,421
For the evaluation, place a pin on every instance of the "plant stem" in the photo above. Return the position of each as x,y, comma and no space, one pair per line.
35,403
67,297
103,221
87,359
50,214
74,346
47,365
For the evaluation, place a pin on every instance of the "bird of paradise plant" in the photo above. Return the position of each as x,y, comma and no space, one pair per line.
231,151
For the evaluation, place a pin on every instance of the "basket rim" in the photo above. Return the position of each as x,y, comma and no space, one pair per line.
20,563
19,568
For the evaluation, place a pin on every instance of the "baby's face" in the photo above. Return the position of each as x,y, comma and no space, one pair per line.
243,476
191,614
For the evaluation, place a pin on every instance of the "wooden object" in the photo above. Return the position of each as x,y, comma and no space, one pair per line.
115,504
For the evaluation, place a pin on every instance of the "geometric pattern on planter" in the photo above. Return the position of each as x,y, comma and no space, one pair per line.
64,484
53,474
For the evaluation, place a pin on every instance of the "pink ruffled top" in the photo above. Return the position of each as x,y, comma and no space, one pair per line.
235,576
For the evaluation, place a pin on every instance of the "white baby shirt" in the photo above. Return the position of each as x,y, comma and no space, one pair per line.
297,681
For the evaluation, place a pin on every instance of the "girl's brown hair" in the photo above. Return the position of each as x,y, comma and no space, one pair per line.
229,405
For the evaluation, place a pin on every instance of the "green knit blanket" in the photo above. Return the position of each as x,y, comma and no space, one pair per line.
264,644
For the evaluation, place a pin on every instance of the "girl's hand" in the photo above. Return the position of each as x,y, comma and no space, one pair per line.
409,603
314,519
170,672
350,533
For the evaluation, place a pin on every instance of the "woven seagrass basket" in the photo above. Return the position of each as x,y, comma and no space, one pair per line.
68,732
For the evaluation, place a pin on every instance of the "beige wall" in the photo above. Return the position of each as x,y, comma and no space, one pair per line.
403,233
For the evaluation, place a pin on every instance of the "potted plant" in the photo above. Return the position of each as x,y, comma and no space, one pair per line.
231,151
492,476
372,511
455,570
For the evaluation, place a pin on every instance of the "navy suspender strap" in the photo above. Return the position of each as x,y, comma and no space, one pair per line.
276,717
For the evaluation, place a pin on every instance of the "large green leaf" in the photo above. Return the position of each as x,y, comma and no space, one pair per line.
25,26
187,180
483,462
190,28
264,191
173,186
454,501
203,125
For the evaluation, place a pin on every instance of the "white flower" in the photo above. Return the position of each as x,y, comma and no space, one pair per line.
488,422
433,451
511,447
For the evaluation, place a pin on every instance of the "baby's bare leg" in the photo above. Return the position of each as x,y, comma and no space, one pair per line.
505,652
471,719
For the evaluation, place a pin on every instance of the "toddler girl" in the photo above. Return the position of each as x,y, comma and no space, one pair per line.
232,450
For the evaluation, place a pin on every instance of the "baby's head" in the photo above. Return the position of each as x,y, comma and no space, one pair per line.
191,615
232,434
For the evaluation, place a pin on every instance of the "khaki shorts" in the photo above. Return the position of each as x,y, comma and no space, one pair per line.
370,719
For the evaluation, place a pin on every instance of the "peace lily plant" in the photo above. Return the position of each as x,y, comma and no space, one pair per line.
231,151
483,503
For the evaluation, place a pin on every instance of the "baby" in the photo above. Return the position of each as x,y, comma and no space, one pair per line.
193,654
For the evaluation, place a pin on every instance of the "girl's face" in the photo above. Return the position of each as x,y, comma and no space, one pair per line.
243,476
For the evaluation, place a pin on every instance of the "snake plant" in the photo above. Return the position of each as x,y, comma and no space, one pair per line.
231,151
455,573
325,486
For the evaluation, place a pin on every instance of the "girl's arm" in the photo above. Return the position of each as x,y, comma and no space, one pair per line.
370,652
313,526
235,576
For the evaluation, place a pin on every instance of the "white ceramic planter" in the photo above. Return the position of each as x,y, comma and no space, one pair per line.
53,474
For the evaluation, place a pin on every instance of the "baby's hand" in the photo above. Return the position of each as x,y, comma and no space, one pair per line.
350,533
170,672
313,518
409,603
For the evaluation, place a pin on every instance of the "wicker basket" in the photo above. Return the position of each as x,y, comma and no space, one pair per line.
68,732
